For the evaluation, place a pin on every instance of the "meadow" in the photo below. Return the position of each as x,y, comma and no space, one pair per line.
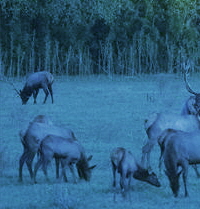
104,113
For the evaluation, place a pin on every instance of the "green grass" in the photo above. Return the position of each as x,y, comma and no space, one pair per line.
103,114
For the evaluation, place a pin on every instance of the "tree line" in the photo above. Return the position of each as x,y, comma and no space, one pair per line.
80,37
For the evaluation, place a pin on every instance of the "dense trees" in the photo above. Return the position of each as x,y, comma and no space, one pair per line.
99,36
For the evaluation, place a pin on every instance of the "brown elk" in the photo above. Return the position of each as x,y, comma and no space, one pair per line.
31,140
39,80
68,151
180,150
125,164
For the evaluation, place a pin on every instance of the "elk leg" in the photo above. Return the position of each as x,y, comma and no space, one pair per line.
37,166
71,167
63,170
129,184
123,184
114,174
161,158
114,168
44,168
51,92
185,172
35,93
146,151
57,167
21,163
46,94
29,162
196,170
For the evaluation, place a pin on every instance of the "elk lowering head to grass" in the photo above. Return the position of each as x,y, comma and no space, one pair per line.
69,151
125,164
39,80
181,149
31,139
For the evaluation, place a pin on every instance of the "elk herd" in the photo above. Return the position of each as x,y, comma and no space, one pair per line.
178,136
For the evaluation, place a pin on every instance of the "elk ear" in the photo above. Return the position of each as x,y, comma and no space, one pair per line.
89,158
92,167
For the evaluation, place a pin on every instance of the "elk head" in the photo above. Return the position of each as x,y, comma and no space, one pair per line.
196,104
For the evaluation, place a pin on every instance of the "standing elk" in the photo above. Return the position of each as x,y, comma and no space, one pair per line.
68,151
180,150
157,122
164,121
31,140
125,164
39,80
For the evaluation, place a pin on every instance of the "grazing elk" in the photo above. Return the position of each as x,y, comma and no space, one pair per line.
68,151
39,80
125,164
31,140
180,149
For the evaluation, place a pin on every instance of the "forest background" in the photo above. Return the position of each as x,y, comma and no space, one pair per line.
81,37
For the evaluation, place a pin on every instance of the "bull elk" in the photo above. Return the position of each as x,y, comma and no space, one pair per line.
39,80
69,152
192,105
125,164
181,149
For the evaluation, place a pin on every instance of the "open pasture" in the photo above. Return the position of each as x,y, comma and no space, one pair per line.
104,114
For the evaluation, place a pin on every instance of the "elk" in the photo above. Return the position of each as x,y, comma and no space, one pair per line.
69,152
162,121
192,105
31,139
181,150
125,164
156,123
38,80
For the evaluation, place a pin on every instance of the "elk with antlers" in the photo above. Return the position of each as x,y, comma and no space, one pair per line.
39,80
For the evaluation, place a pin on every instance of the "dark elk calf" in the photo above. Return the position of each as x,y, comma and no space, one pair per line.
39,80
69,152
180,149
125,164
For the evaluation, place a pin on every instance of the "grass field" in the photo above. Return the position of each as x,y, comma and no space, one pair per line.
104,114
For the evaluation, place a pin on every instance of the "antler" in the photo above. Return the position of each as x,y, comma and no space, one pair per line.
186,74
13,87
6,80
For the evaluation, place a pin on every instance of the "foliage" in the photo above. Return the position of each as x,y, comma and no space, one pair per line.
85,37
